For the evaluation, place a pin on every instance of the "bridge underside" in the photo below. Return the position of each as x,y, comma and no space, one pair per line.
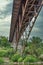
24,14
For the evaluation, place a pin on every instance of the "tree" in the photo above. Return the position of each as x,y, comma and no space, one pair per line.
4,41
36,42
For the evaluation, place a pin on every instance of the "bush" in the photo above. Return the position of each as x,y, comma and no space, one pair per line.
4,42
15,57
3,53
30,58
10,52
27,49
1,60
24,56
20,59
6,52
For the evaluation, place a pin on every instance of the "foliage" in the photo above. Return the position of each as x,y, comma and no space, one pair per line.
36,40
1,60
20,59
6,52
33,50
27,50
15,57
35,46
4,42
3,53
30,58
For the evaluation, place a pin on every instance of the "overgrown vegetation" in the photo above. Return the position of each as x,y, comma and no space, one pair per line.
1,60
33,51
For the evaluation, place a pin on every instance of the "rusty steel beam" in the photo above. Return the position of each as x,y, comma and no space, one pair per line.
23,26
15,11
23,12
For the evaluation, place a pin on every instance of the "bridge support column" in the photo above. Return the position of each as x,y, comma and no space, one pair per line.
23,13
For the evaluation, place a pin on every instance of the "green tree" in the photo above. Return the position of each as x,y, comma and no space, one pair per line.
4,42
35,42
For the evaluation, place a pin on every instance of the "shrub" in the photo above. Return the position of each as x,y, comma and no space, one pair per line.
4,42
20,59
3,53
1,60
30,58
6,52
27,49
15,57
10,52
24,56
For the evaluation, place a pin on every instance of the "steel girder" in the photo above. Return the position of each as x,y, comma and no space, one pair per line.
23,13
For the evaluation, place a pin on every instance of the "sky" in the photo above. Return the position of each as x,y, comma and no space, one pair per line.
5,20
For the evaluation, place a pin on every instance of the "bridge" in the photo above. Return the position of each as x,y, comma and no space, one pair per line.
24,15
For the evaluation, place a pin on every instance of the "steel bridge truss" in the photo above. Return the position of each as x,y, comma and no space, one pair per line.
24,14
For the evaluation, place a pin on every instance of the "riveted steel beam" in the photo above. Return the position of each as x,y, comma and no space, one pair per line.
23,12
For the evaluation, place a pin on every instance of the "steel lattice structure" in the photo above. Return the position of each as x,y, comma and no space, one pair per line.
24,14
